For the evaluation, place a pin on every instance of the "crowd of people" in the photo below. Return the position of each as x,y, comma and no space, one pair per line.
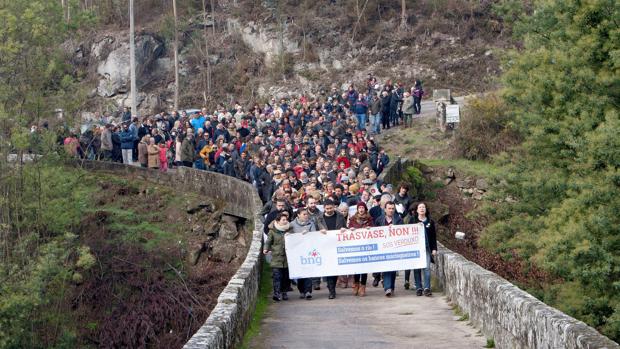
315,163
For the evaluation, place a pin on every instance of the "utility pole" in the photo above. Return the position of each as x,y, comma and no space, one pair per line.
132,62
204,19
176,56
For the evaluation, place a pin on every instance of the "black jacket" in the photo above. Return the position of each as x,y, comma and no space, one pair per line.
431,233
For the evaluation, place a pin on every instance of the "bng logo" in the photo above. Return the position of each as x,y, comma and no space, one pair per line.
314,258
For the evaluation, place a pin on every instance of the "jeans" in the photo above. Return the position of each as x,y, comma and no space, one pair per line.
281,281
127,156
304,285
417,274
361,121
389,277
375,123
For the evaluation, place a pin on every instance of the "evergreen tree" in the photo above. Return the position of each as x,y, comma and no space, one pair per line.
564,88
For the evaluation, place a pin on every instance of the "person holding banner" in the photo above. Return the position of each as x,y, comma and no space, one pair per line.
333,221
423,216
279,265
361,219
303,225
389,217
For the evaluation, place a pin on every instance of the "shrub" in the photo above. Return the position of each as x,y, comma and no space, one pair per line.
486,128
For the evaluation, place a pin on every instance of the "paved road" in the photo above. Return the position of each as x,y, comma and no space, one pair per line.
404,321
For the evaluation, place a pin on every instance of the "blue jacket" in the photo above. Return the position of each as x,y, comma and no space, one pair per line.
127,138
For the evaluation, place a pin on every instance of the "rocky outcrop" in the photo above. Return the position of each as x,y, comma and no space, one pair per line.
113,67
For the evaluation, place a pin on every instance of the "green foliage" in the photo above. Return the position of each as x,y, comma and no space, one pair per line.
490,343
486,128
564,89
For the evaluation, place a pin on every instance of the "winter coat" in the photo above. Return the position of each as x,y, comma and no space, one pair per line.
106,140
430,230
385,105
153,156
375,106
242,168
341,222
360,222
381,221
275,244
187,150
143,156
301,227
126,139
408,105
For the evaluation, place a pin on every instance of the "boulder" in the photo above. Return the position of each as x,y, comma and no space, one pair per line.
482,184
114,69
467,182
477,194
228,228
223,250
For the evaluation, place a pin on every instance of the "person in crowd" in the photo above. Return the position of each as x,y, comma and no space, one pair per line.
163,156
385,109
275,245
303,225
375,114
408,110
143,156
389,217
127,138
422,215
153,154
417,93
106,143
188,150
333,221
361,219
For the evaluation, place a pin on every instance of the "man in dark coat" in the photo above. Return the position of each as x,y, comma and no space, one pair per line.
389,217
333,221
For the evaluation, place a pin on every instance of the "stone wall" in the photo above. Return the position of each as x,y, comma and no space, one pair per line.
509,315
228,321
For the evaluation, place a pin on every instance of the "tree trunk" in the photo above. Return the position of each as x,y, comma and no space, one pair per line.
403,14
132,62
213,15
176,56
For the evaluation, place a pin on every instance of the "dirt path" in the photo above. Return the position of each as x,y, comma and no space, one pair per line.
423,141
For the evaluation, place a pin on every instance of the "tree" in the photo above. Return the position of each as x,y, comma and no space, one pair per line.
403,14
564,89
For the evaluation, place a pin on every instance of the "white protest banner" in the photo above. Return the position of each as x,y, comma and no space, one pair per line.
358,251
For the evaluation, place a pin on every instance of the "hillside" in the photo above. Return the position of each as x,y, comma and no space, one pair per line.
260,49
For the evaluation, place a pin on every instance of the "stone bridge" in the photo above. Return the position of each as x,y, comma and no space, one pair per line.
494,308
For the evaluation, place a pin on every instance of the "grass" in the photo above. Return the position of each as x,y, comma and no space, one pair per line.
490,343
467,167
262,302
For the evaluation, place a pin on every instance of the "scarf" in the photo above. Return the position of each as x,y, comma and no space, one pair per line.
282,228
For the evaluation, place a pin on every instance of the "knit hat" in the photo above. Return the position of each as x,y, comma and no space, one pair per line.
361,203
